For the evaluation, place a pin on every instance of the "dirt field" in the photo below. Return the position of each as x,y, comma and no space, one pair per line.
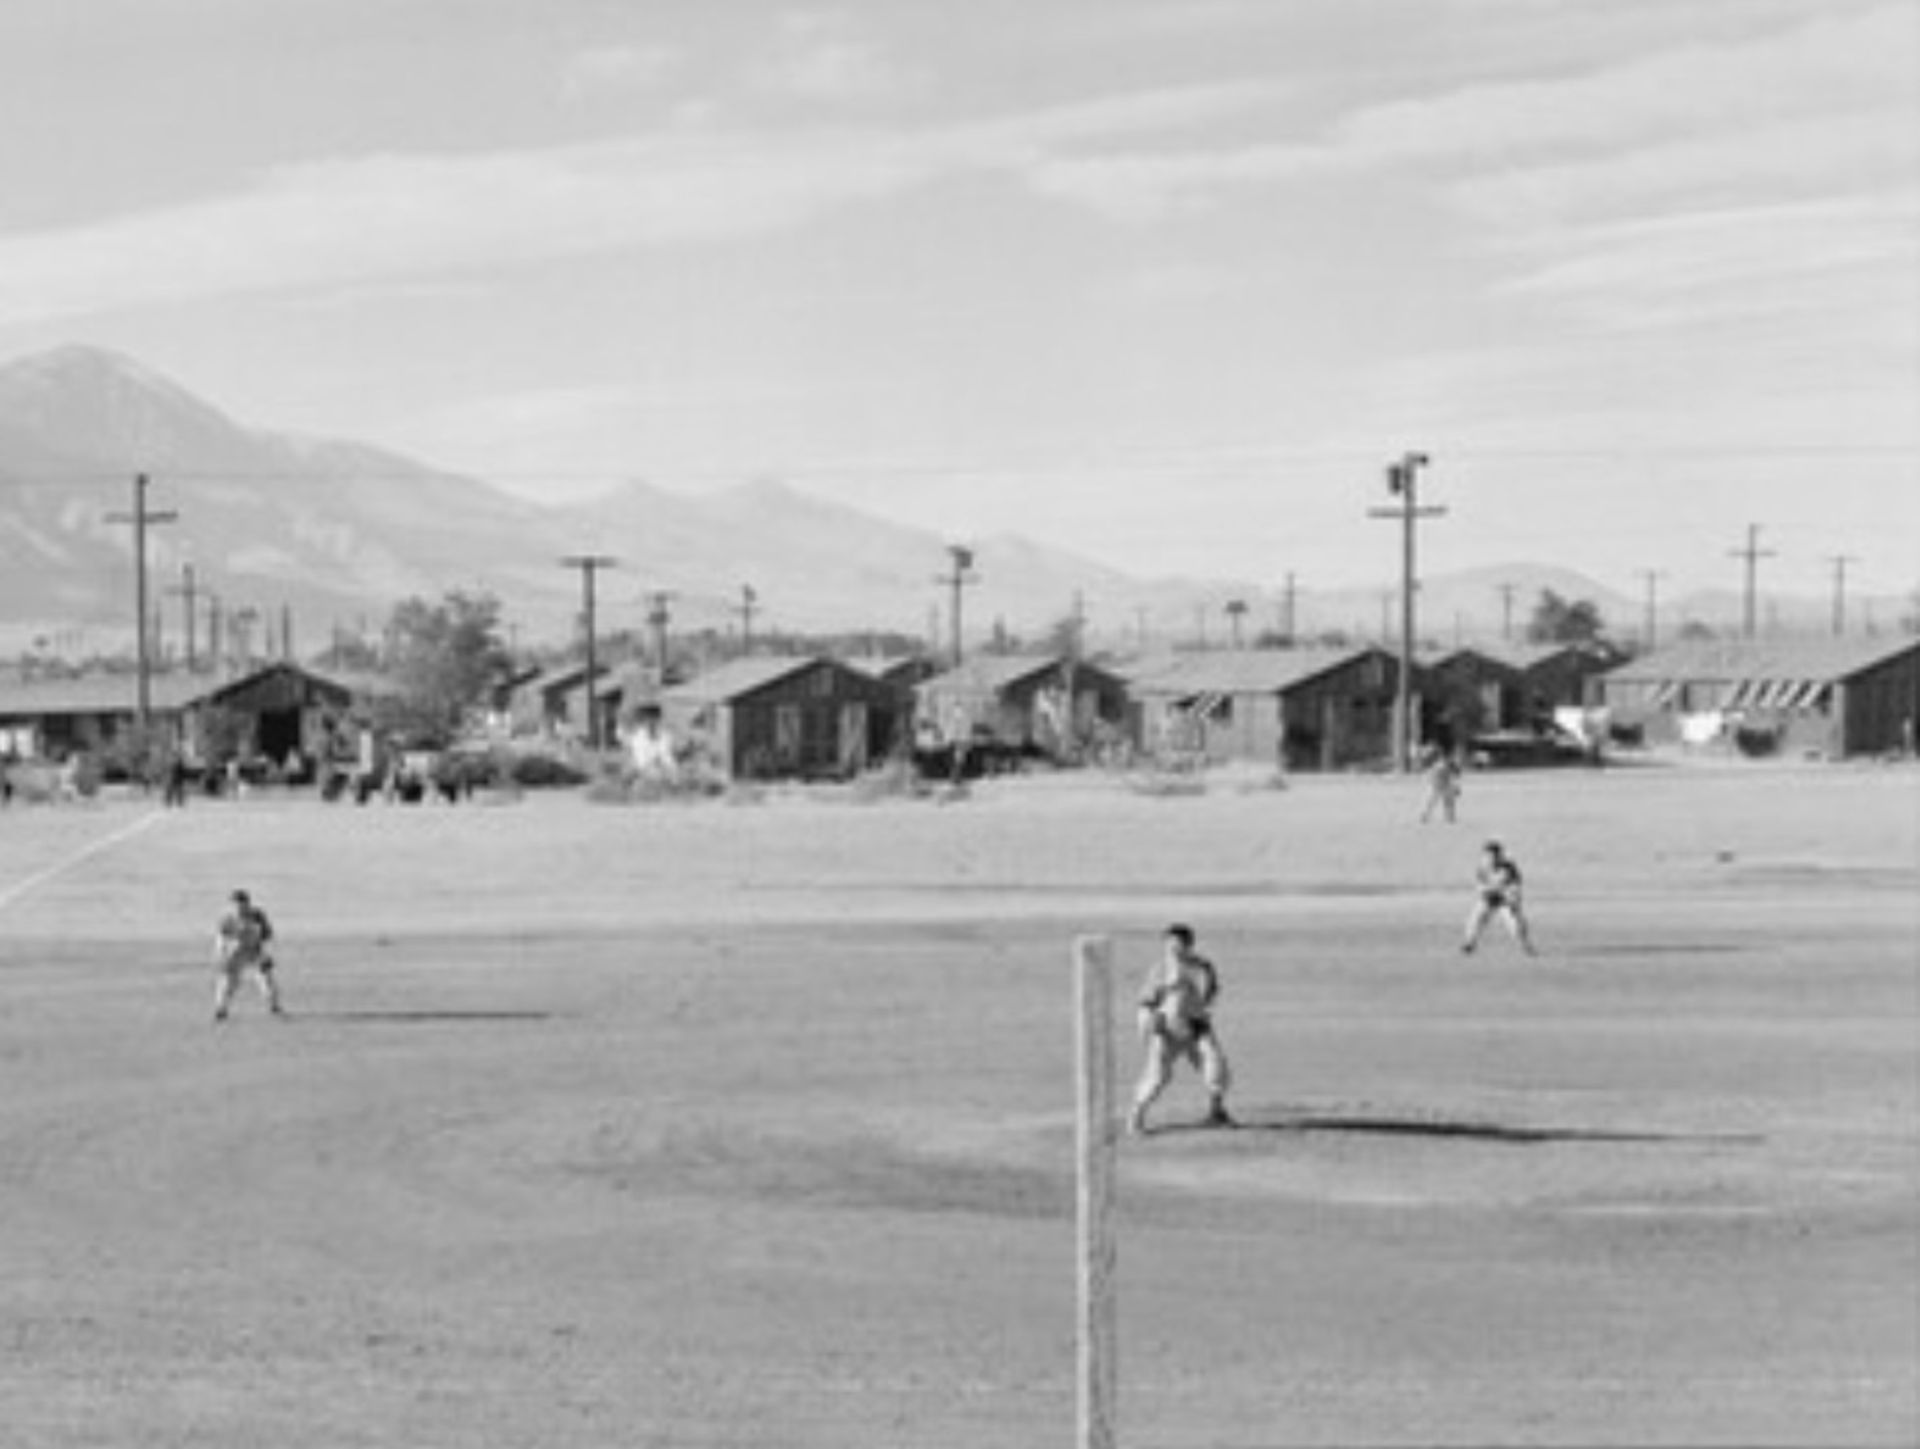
751,1125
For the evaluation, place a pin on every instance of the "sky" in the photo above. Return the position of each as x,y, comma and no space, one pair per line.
1166,282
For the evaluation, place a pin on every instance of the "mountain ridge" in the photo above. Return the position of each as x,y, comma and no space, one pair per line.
339,530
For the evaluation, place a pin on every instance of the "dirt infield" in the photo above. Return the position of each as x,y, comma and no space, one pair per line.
750,1125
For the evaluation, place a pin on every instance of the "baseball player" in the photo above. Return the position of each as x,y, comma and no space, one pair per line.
1497,881
243,942
1176,1023
1443,786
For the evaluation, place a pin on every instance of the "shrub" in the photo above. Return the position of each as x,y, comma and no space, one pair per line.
1756,741
544,772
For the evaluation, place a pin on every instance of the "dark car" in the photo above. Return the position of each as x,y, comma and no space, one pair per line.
1546,746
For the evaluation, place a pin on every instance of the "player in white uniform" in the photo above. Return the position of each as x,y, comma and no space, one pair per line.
243,942
1443,786
1176,1023
1497,883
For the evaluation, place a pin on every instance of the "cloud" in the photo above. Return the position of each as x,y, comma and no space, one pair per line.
822,56
384,218
600,69
1825,96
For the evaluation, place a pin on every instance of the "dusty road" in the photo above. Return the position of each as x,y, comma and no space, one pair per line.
751,1125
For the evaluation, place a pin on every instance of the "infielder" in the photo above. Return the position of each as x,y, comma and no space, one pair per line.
1176,1022
1497,881
243,942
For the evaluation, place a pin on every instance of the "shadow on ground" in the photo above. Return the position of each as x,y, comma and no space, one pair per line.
422,1017
1381,1125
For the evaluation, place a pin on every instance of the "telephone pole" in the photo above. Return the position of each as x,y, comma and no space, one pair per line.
658,617
589,564
1840,562
1403,482
748,605
961,576
188,595
1287,621
216,641
1507,591
1650,630
142,518
1236,610
1752,553
243,621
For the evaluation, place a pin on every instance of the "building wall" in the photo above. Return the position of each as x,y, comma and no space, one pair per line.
826,721
1881,708
1343,719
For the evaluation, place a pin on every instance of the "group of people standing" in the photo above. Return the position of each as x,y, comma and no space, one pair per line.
1176,1001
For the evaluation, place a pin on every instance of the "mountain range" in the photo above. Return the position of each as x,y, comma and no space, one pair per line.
335,532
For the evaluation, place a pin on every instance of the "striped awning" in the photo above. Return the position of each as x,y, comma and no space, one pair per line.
1203,705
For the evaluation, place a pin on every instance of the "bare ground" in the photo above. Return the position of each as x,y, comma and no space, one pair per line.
724,1125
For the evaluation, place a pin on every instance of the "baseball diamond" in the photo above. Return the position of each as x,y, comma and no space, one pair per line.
724,1125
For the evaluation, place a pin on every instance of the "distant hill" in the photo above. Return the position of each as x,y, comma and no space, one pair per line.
336,532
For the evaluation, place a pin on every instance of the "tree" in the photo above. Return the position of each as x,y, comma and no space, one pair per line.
1561,621
444,658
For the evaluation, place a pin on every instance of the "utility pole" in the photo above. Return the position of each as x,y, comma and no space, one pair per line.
1650,630
1840,562
749,603
589,564
1507,591
1236,610
1288,622
142,518
243,621
1403,482
957,581
188,596
286,633
1752,553
658,617
216,640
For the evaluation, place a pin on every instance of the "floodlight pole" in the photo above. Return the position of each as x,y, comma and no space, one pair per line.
1403,482
589,564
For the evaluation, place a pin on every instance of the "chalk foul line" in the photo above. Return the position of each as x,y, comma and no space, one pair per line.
86,852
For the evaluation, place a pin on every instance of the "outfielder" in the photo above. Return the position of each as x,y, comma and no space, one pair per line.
243,942
1498,882
1443,786
1176,1022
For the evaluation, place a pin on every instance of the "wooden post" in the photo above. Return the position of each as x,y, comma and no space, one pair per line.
1096,1139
